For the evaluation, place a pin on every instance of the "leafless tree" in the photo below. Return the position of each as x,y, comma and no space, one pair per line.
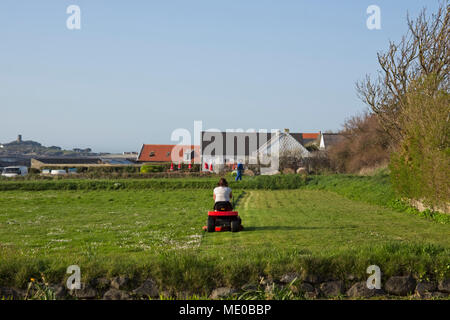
424,50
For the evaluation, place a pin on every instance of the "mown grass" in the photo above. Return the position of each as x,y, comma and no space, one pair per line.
376,189
157,233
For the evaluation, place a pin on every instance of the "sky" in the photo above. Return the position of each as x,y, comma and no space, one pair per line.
138,70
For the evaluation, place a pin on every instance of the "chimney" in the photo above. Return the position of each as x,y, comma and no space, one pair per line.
286,130
19,138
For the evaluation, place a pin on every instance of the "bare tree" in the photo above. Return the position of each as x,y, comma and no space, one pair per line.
424,50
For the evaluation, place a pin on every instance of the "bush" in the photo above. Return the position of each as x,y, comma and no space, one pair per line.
34,171
152,168
366,144
257,182
164,167
420,168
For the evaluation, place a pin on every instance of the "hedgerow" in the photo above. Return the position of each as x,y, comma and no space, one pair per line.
259,182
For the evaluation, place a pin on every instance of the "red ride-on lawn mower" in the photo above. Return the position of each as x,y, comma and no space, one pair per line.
223,221
223,218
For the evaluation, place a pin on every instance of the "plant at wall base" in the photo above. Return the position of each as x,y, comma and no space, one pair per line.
39,290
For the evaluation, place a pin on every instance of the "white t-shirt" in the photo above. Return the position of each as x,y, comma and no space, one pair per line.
222,193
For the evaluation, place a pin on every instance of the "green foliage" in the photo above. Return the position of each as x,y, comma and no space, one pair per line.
108,169
33,171
164,167
258,182
39,290
312,146
152,168
420,167
270,292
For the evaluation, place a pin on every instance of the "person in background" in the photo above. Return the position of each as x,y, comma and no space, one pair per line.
239,171
222,196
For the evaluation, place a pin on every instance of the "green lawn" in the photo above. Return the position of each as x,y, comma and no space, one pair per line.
158,233
318,221
104,222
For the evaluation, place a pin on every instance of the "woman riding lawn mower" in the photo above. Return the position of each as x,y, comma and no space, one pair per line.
223,218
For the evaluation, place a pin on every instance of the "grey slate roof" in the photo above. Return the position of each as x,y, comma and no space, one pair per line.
69,160
240,138
331,139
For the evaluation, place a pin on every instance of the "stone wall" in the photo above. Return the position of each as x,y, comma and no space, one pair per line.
310,287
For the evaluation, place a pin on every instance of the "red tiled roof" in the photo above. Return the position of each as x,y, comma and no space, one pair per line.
163,153
310,135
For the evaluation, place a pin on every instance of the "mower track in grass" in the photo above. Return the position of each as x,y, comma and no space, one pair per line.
318,221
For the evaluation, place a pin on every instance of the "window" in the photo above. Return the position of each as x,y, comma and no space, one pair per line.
152,153
13,170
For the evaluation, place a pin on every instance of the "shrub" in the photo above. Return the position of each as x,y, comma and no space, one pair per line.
420,167
366,144
34,171
257,182
152,168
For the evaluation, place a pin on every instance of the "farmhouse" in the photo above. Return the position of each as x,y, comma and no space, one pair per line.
161,153
231,147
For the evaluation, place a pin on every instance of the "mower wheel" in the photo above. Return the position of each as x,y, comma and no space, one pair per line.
211,224
235,225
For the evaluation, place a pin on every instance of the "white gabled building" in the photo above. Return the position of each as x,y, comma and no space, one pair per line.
281,144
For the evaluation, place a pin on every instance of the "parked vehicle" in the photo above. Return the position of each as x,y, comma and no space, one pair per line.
59,172
14,171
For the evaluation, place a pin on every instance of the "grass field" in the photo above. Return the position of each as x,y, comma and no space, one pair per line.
157,233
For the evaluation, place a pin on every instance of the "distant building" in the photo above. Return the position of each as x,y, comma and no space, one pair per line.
14,161
231,147
285,143
168,153
308,138
328,140
63,162
117,161
39,163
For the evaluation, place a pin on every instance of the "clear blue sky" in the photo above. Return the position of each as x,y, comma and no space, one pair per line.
137,70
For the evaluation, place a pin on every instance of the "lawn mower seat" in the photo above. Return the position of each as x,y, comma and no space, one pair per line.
223,206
